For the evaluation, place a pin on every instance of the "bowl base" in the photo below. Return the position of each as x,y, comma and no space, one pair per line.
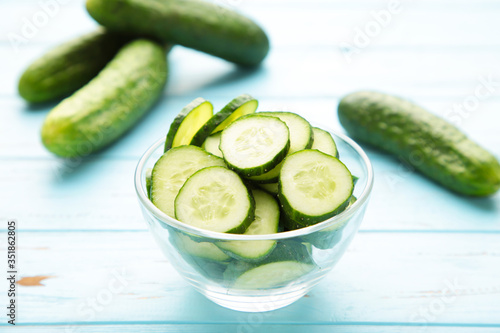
255,302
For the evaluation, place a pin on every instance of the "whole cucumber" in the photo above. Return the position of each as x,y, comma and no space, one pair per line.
430,144
69,66
192,23
109,104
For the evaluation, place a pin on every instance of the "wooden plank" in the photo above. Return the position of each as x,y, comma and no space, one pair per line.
397,278
312,72
276,328
21,125
321,22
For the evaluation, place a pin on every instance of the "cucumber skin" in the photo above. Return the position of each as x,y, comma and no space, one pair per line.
176,123
110,104
191,23
430,144
69,66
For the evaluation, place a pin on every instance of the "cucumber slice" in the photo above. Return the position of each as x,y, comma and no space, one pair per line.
272,176
191,118
204,250
267,216
331,236
313,186
272,275
301,137
211,144
240,106
149,171
173,169
324,142
215,199
271,188
254,144
301,134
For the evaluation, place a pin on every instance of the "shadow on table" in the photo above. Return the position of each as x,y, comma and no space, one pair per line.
403,170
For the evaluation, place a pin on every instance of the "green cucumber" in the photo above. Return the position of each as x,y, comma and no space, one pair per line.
212,143
149,172
271,188
238,107
205,250
327,238
254,144
172,170
215,199
185,125
324,142
67,67
313,186
192,23
110,104
272,275
430,144
267,216
301,137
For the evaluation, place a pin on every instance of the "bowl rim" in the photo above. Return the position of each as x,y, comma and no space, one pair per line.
337,219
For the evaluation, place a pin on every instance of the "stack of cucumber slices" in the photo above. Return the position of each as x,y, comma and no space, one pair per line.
253,173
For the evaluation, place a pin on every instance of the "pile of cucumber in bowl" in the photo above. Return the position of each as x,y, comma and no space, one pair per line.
246,172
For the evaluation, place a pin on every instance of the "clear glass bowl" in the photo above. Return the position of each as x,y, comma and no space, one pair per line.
195,255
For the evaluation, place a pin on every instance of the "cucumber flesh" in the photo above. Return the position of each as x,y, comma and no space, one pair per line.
239,106
215,199
211,144
254,144
267,215
324,142
272,275
173,169
313,186
301,137
204,250
185,125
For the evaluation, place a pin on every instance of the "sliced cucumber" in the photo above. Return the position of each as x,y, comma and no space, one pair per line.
301,134
149,171
191,118
269,177
211,144
272,275
270,188
324,142
204,250
267,216
215,199
331,236
240,106
301,137
173,169
313,186
254,144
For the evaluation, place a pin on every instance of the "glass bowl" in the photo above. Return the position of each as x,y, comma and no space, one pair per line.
306,255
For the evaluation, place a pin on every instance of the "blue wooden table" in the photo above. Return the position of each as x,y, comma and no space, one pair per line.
425,260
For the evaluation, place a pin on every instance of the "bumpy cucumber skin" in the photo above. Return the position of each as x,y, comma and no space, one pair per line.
430,144
110,104
192,23
69,66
